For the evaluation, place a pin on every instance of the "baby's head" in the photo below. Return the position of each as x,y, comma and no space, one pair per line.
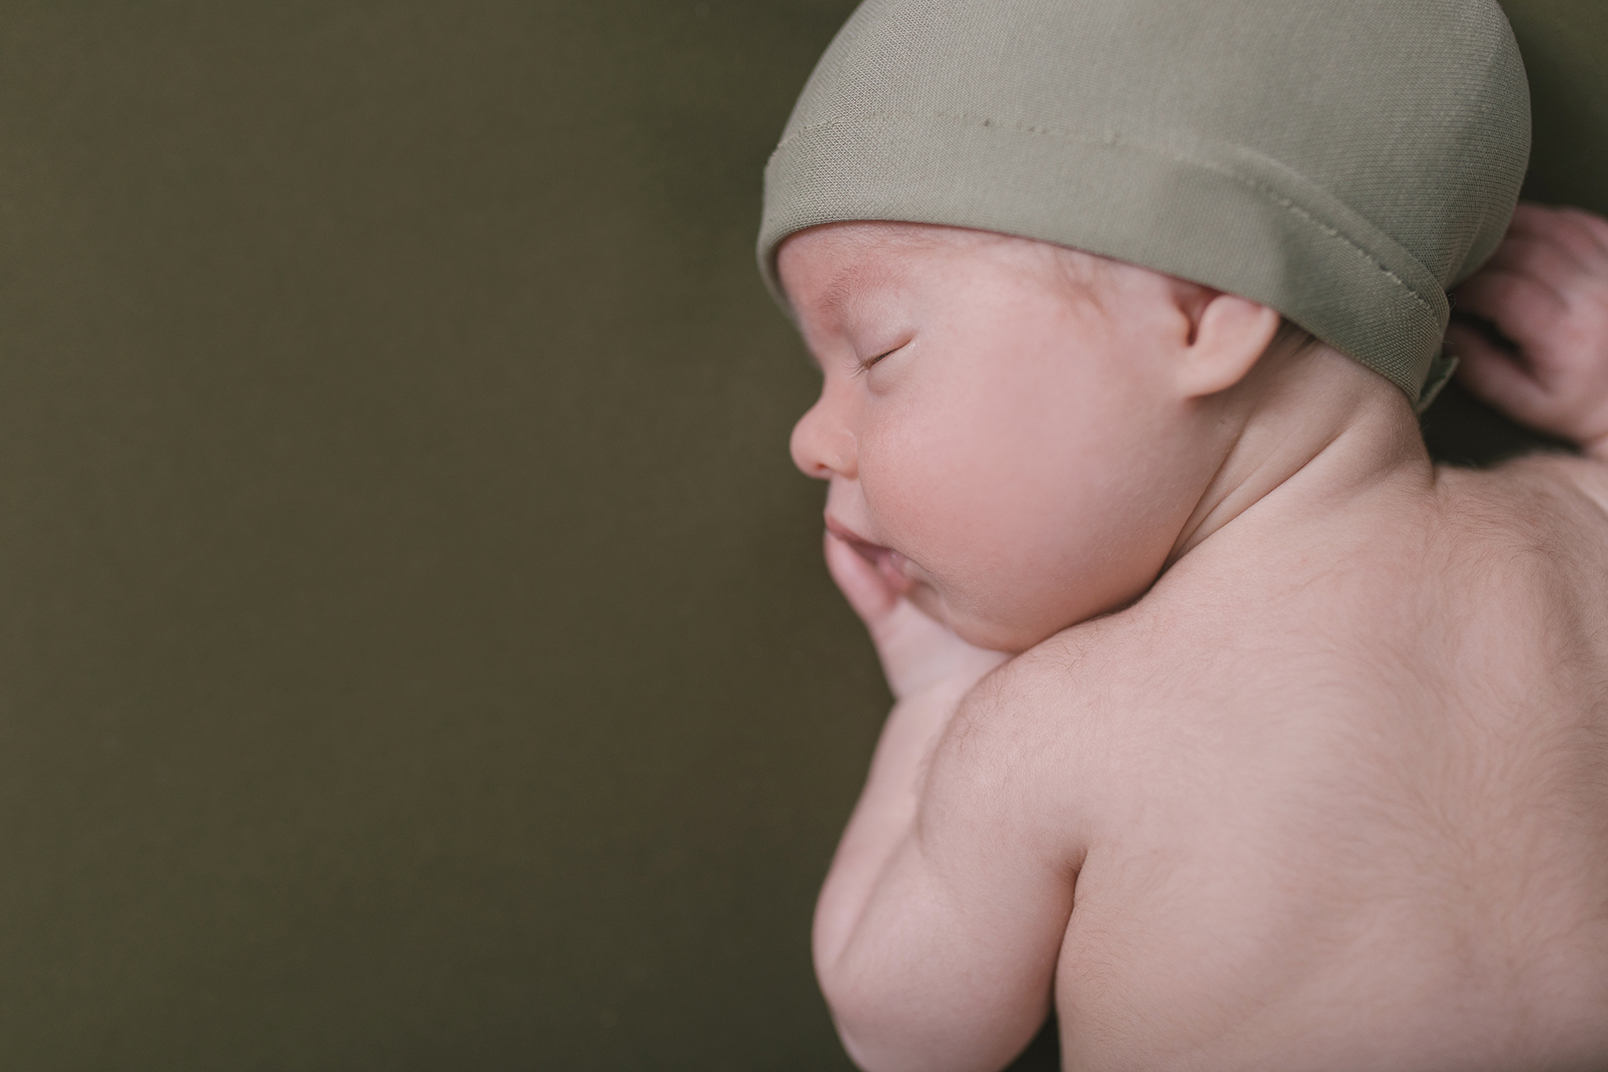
1111,218
1025,426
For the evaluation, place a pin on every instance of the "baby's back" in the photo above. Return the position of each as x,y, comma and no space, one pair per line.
1350,793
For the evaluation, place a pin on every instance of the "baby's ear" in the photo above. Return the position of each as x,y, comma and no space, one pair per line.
1229,334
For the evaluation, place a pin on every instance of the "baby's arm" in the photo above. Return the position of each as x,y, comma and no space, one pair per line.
938,929
1546,289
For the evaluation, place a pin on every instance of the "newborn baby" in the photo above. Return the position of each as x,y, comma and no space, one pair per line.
1229,727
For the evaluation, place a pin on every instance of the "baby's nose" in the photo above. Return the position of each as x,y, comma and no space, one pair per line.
822,447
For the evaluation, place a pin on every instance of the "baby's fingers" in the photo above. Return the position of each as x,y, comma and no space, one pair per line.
860,582
1521,306
1538,258
918,652
1498,377
1583,234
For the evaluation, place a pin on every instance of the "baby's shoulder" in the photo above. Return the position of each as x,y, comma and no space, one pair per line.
1566,487
1528,540
1080,706
1331,650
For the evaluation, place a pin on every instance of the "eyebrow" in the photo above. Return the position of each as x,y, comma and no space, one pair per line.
840,292
834,301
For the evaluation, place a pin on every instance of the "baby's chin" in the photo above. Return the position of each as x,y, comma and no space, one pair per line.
1015,618
1009,620
1010,637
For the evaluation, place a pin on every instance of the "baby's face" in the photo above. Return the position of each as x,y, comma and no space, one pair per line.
999,437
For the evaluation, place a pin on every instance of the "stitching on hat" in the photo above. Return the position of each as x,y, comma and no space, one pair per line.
1113,139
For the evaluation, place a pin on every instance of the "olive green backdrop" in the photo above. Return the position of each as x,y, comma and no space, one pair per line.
414,652
412,649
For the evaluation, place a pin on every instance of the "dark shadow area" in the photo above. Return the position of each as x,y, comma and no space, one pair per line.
1462,430
1043,1054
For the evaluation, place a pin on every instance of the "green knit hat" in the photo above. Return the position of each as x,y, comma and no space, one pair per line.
1342,161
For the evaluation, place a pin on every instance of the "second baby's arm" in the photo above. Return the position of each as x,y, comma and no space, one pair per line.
938,929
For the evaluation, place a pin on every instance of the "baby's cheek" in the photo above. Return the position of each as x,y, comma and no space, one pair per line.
919,490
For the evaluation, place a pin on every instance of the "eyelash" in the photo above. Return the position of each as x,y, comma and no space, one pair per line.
867,364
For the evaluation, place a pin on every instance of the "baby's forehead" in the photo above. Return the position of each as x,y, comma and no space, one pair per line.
829,269
834,261
862,240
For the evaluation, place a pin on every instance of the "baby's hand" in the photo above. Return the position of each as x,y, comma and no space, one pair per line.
1546,289
917,652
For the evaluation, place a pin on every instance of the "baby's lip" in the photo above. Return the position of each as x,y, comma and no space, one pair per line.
894,567
852,538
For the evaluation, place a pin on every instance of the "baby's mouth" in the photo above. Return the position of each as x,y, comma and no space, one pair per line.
891,566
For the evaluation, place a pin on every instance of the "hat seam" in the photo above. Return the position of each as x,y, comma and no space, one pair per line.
1112,138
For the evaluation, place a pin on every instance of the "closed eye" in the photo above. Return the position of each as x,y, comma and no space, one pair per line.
866,364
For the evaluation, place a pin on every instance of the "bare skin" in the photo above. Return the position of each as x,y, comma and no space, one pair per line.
1284,748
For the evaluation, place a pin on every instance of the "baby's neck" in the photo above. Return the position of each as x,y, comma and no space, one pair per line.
1311,438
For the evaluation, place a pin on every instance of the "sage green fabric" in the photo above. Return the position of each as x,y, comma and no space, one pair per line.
1343,161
